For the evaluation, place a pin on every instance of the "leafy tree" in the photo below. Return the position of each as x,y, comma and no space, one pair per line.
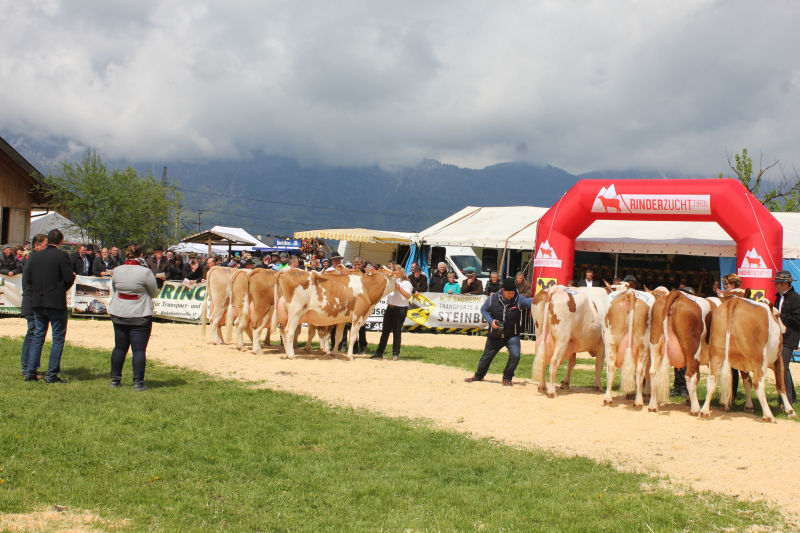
113,206
784,197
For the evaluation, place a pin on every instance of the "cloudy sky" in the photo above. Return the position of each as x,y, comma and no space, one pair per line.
583,85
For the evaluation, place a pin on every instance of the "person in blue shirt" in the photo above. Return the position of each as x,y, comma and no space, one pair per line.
503,311
452,286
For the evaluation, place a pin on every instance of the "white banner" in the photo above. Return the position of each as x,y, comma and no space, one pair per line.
10,294
178,302
436,310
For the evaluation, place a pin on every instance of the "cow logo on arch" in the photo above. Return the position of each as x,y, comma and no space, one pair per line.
753,266
608,201
546,256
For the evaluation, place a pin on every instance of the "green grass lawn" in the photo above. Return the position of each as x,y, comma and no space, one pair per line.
201,454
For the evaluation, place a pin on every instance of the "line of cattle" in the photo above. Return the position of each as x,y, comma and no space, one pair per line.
638,333
647,332
246,300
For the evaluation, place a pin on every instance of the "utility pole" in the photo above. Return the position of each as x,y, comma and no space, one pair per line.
199,211
177,221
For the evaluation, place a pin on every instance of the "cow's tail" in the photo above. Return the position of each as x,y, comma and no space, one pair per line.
663,374
725,377
628,374
204,312
541,345
229,314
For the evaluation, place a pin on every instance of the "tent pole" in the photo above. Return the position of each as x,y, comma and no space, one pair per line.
209,246
616,264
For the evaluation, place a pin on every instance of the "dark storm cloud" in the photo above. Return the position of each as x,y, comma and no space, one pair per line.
582,85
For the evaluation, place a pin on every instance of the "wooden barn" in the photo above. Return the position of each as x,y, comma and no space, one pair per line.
18,180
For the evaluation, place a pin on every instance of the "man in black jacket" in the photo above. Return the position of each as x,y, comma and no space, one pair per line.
493,285
159,265
418,280
48,276
438,279
788,303
103,263
502,310
9,265
39,244
589,280
80,262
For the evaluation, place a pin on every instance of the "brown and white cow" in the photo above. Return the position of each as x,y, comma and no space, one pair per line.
327,300
626,333
572,321
680,325
218,293
747,336
238,307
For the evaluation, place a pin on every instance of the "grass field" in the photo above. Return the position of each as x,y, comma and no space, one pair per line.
200,454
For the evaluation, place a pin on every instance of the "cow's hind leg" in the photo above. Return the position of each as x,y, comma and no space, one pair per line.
640,368
599,359
559,352
570,365
312,331
762,399
692,377
748,388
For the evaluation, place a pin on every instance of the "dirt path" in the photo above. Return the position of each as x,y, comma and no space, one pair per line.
732,453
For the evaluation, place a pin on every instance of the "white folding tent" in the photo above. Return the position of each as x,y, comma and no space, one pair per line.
515,228
73,234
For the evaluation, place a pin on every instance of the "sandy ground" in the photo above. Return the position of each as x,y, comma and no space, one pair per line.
60,521
734,453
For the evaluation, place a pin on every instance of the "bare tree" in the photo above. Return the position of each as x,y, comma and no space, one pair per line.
784,197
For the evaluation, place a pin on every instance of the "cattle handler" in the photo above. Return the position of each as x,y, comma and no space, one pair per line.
788,304
502,310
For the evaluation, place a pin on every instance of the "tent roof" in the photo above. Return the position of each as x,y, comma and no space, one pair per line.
44,223
224,236
489,227
356,235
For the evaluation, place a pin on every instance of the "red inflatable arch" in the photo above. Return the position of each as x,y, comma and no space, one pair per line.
758,235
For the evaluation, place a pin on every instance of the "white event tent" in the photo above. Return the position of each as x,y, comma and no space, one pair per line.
515,228
239,233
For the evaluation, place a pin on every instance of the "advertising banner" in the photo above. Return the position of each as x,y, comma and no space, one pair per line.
180,302
439,311
10,295
90,296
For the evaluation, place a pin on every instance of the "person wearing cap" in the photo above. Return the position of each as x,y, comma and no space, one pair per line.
326,264
787,302
275,263
631,281
336,260
502,310
9,265
418,280
471,286
284,261
159,265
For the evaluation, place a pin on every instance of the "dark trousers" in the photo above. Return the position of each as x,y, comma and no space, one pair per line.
57,320
791,393
493,346
392,323
26,344
680,380
135,338
362,337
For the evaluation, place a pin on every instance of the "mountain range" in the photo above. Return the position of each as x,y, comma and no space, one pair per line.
274,195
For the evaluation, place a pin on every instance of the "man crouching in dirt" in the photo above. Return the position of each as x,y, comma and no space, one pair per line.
502,310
